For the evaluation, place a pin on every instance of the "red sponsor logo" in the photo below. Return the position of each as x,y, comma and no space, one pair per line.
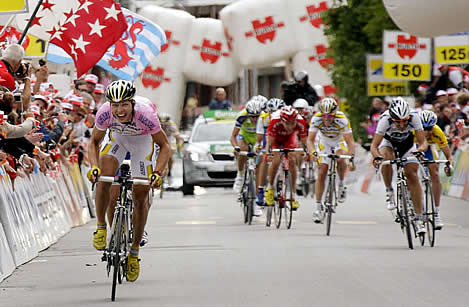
153,77
329,90
210,52
407,47
322,57
315,13
264,31
169,41
229,40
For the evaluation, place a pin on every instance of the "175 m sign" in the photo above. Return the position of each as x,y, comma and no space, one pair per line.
387,88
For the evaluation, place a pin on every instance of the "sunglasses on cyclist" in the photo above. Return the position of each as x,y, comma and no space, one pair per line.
328,116
428,128
403,120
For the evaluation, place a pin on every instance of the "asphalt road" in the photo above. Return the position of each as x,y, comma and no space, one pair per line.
201,254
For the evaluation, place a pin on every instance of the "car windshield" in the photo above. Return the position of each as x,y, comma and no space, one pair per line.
213,132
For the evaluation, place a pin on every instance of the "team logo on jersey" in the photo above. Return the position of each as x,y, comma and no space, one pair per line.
210,52
407,47
264,31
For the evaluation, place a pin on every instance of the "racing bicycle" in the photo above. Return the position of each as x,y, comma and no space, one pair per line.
283,196
405,214
121,237
248,191
429,204
330,199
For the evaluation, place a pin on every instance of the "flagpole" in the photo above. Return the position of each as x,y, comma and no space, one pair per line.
7,24
30,22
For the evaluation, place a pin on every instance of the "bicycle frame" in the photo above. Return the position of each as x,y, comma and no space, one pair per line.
248,191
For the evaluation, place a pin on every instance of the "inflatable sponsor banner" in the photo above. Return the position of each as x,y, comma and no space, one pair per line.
406,57
257,31
208,58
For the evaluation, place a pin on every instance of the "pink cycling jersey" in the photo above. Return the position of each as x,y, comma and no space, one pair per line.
144,121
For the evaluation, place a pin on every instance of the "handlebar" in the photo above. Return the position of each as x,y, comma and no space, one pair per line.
426,162
287,150
249,154
398,160
336,156
112,179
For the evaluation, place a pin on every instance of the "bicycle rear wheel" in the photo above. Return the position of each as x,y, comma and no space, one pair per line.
430,214
251,196
116,251
268,216
288,196
278,203
329,206
405,216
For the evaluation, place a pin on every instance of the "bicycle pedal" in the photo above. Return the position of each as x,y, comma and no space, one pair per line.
104,258
397,220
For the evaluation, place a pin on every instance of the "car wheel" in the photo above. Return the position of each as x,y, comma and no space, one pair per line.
187,189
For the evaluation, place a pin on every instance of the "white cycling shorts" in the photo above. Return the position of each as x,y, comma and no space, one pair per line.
142,150
325,146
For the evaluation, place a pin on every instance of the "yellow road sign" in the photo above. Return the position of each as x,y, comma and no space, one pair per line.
36,47
13,6
407,71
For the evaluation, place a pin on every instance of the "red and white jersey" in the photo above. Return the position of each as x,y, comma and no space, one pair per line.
277,130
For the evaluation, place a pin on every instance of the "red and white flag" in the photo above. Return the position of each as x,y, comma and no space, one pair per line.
50,13
88,31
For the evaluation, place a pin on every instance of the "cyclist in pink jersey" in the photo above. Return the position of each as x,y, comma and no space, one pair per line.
132,127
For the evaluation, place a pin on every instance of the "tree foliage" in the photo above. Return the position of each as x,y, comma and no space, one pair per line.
353,30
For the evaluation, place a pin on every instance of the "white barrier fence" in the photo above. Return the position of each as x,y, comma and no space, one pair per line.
37,212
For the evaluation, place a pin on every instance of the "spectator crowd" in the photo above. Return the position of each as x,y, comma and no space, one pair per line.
447,95
38,125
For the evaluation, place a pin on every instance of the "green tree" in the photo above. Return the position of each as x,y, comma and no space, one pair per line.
353,30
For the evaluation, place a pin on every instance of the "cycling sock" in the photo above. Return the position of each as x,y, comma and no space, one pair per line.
102,226
389,189
341,182
269,186
260,188
437,209
134,252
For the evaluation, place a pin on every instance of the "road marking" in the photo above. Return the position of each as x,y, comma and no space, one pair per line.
356,222
195,222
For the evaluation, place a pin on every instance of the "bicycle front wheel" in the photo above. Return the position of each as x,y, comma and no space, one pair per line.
278,204
430,214
116,252
251,196
288,197
329,206
405,216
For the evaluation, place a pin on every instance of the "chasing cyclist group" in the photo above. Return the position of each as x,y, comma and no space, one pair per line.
129,125
402,132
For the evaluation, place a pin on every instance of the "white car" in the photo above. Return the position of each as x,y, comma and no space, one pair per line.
208,157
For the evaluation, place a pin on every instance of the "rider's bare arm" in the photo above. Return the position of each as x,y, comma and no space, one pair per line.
448,154
377,138
161,139
233,136
310,141
421,141
93,147
350,143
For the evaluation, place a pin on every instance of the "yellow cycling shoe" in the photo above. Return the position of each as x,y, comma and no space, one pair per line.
99,239
295,204
133,268
269,197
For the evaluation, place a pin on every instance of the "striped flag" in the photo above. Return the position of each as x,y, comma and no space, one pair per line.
129,56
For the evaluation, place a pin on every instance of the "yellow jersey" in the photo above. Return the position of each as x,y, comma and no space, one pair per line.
437,137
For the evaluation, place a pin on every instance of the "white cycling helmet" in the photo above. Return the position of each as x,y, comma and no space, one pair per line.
261,100
300,103
399,108
274,104
328,105
428,118
254,108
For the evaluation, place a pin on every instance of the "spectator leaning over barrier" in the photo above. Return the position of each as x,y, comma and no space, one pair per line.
11,66
462,99
219,102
